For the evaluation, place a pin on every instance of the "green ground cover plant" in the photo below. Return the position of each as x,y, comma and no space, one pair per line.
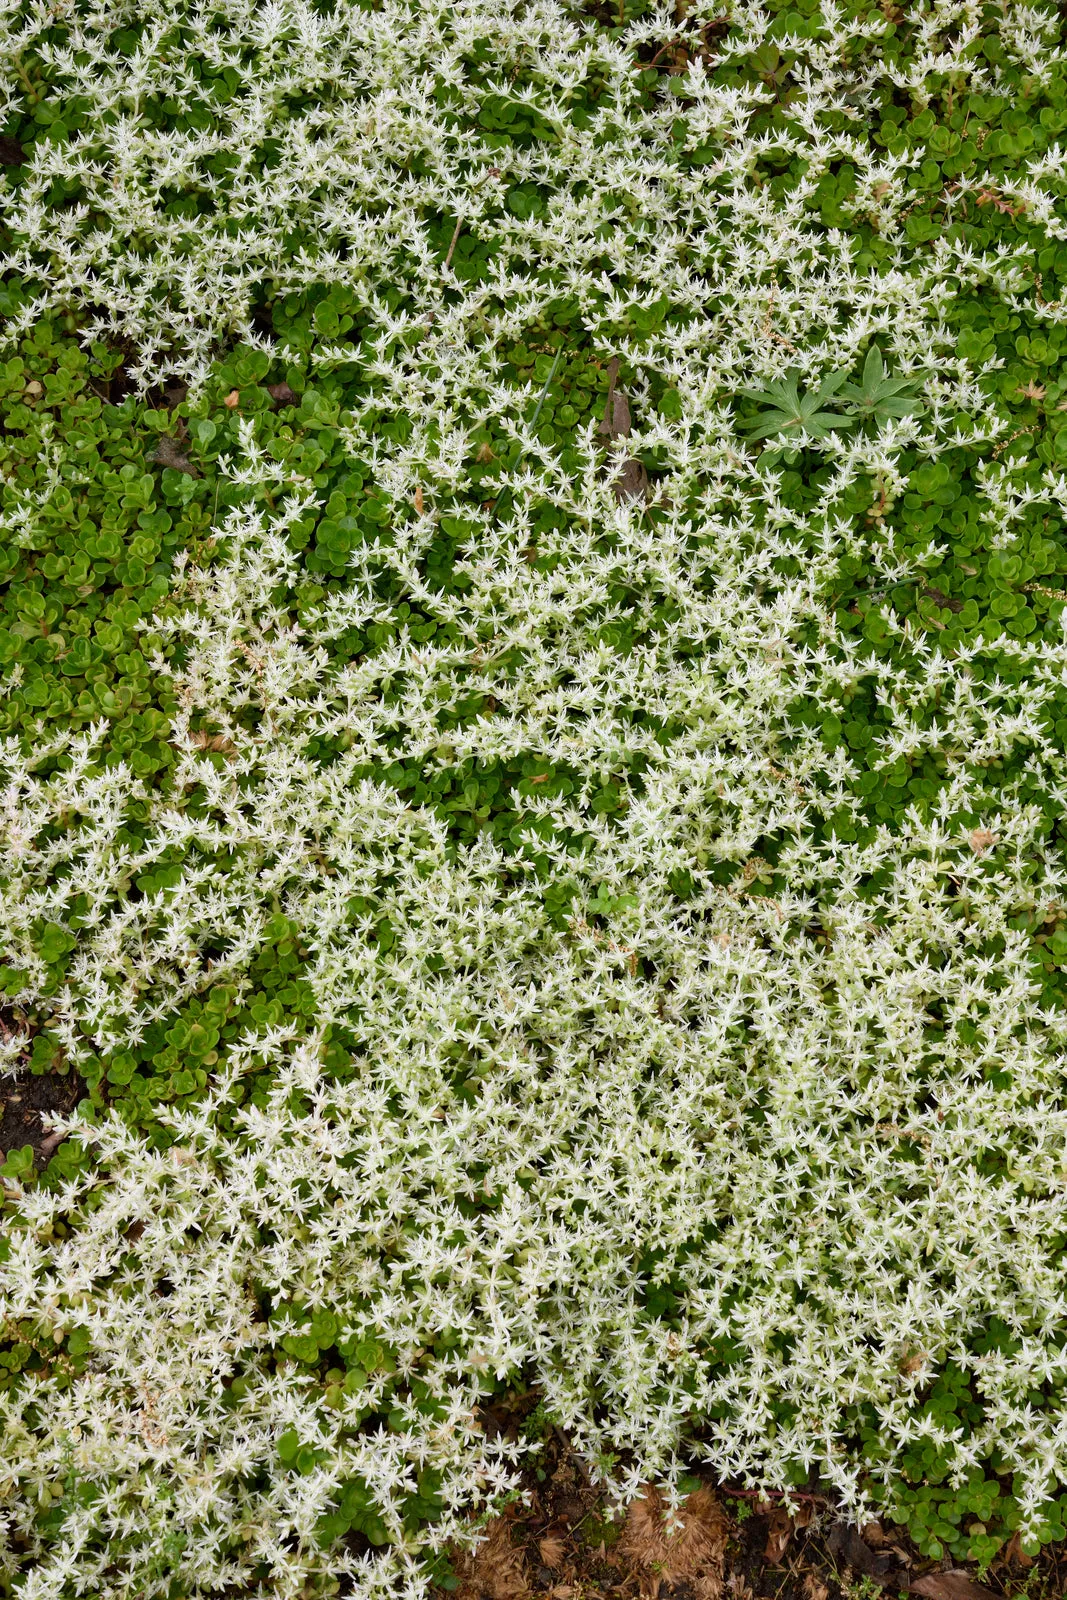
533,722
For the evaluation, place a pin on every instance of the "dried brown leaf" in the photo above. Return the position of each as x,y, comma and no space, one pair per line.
217,742
616,422
49,1143
945,601
955,1585
779,1534
168,453
632,483
980,840
849,1550
1014,1554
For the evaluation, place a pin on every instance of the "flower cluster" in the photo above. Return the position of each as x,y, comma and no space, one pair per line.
720,1106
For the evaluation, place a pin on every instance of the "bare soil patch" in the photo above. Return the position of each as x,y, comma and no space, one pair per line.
27,1104
561,1544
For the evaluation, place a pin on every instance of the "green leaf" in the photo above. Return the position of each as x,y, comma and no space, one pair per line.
879,397
790,412
302,1347
55,942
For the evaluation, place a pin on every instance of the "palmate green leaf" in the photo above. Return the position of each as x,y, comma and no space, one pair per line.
878,396
793,412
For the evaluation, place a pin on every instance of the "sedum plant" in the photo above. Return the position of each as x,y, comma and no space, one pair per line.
508,936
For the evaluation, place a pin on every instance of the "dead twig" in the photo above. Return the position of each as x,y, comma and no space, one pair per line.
452,246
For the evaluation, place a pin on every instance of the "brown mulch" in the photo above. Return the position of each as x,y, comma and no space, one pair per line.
734,1545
